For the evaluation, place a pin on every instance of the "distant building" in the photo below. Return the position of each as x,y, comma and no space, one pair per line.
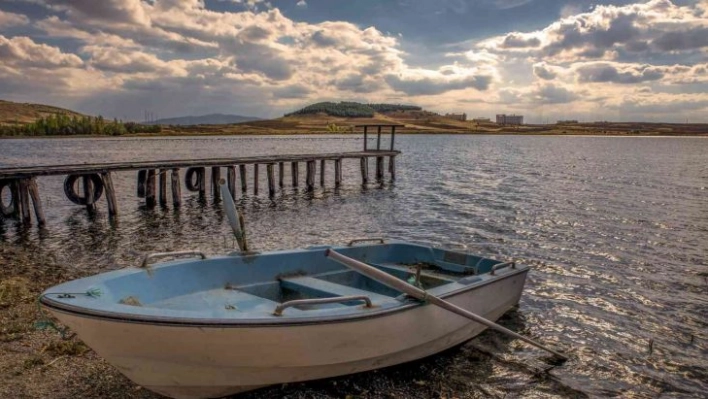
504,119
567,122
458,117
481,120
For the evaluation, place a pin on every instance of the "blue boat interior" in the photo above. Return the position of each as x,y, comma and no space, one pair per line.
251,286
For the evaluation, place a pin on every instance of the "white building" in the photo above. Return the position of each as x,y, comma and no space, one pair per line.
458,117
504,119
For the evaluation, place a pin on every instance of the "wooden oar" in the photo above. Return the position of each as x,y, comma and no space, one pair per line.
402,286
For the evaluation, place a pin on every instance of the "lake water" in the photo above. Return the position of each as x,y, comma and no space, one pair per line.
616,230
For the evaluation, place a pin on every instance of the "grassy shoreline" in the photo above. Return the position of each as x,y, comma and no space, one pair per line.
358,134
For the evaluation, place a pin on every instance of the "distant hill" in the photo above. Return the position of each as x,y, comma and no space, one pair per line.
352,109
211,119
22,113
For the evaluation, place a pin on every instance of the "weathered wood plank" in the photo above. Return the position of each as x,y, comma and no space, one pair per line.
364,170
378,138
310,176
110,194
337,172
176,188
20,172
25,216
231,180
393,135
215,177
271,179
392,167
36,201
244,184
163,187
149,188
295,172
88,193
16,203
255,179
379,169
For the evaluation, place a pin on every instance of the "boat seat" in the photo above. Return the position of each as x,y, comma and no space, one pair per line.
318,287
219,298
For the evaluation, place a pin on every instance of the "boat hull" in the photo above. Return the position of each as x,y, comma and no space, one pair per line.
207,361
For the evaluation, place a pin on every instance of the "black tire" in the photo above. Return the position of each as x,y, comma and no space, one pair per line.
70,186
189,176
7,211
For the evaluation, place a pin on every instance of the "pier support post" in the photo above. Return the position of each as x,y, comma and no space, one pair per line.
202,182
392,167
366,138
89,190
379,169
231,180
176,188
110,194
15,194
281,174
142,176
378,139
255,179
393,136
244,183
337,172
271,179
24,201
163,187
310,177
36,201
364,170
149,189
215,177
295,173
322,172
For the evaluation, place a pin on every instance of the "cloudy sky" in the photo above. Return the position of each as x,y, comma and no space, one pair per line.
546,59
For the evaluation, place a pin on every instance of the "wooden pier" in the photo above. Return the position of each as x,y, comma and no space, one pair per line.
95,180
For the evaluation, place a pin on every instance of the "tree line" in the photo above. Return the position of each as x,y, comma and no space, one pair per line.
352,109
65,125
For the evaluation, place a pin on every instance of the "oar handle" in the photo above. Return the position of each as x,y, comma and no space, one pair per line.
402,286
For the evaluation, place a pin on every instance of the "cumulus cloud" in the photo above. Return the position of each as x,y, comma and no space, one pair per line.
607,32
544,71
428,85
175,53
8,19
624,74
24,52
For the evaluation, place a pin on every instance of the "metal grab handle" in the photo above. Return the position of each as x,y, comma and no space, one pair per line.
501,266
166,254
321,301
356,240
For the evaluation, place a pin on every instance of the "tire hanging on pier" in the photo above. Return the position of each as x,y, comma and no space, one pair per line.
189,178
73,196
7,210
